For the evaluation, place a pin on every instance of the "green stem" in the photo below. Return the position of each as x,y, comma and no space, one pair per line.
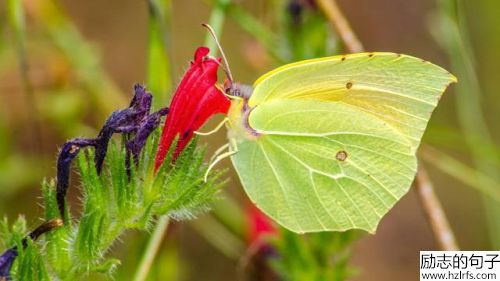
16,17
474,178
158,62
219,237
154,244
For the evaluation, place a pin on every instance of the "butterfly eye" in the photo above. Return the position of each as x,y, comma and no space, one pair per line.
232,90
236,92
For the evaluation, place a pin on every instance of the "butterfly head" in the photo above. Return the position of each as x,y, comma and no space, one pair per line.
231,88
239,94
237,90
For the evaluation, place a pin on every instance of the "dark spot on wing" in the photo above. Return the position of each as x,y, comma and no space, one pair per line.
348,85
343,58
370,55
341,155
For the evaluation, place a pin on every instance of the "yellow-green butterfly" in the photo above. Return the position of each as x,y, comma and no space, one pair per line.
329,144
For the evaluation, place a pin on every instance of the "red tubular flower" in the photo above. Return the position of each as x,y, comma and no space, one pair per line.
196,99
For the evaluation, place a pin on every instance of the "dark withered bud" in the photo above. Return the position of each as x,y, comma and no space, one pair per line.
6,261
134,119
68,152
150,123
124,121
141,101
43,228
9,256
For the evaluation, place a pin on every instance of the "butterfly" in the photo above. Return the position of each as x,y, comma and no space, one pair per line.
329,144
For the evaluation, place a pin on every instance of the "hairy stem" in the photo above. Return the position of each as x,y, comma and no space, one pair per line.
154,244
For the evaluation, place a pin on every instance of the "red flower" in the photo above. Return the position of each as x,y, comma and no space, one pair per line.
260,225
196,99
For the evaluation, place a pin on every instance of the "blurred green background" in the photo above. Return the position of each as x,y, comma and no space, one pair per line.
65,65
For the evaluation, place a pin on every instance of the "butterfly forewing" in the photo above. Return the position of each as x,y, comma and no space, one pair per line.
400,90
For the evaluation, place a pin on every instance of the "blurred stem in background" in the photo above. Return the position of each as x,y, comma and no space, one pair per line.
216,21
15,12
219,236
449,27
154,244
159,80
434,212
16,158
16,16
472,177
341,25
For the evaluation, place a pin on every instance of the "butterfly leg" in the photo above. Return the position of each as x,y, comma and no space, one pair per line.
233,149
215,129
218,151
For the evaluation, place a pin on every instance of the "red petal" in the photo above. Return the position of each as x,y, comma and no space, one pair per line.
195,101
200,53
260,225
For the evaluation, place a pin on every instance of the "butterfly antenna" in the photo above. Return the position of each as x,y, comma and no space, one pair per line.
214,36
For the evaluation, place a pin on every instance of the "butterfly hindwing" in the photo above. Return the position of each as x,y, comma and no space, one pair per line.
338,174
